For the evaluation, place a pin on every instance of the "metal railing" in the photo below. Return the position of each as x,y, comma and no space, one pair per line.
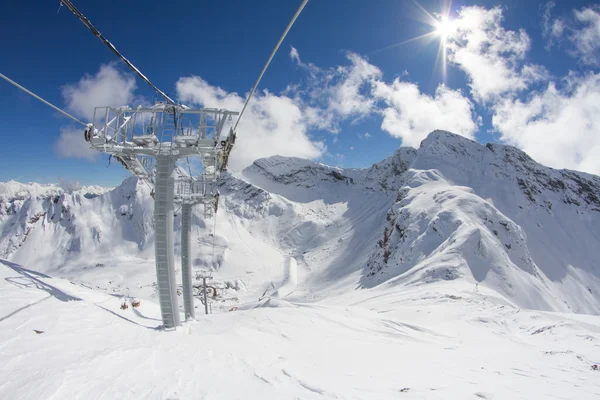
162,122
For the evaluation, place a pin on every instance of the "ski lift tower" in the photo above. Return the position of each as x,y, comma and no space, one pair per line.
191,191
148,142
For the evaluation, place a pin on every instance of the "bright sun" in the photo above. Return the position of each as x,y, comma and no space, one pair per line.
444,28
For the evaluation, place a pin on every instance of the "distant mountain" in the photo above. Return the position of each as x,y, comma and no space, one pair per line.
452,210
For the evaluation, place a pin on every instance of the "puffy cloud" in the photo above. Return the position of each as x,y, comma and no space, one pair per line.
412,115
71,144
357,90
109,87
585,36
346,98
558,126
271,124
332,95
491,56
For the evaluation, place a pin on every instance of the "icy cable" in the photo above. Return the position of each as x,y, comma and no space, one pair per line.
287,29
6,78
86,22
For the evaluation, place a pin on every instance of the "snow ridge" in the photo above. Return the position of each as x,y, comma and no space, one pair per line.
491,214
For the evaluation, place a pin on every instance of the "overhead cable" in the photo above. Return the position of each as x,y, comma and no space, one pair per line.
287,29
40,99
86,22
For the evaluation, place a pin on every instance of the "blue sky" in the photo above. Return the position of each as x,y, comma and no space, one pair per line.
519,72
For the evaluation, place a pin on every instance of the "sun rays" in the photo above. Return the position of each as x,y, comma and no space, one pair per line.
443,29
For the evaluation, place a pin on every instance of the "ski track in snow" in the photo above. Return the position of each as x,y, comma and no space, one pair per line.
452,349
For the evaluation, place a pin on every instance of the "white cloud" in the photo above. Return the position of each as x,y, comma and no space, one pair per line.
357,90
412,115
582,29
294,55
109,87
346,97
558,126
491,56
71,144
585,36
271,124
336,94
552,28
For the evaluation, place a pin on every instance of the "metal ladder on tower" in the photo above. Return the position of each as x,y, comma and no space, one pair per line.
163,216
169,128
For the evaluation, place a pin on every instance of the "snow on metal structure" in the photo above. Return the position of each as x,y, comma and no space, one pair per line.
149,142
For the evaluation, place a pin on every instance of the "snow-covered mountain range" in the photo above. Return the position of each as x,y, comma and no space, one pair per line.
452,209
452,271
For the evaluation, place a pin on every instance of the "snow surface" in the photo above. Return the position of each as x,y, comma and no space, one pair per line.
455,270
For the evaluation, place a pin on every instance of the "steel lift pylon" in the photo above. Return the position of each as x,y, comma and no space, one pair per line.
149,142
190,192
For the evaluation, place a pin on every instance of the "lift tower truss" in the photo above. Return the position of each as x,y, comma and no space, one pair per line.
149,142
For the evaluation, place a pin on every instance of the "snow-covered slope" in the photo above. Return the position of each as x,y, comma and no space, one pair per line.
60,340
409,278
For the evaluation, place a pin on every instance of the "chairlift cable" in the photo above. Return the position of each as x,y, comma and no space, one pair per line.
6,78
97,33
287,29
